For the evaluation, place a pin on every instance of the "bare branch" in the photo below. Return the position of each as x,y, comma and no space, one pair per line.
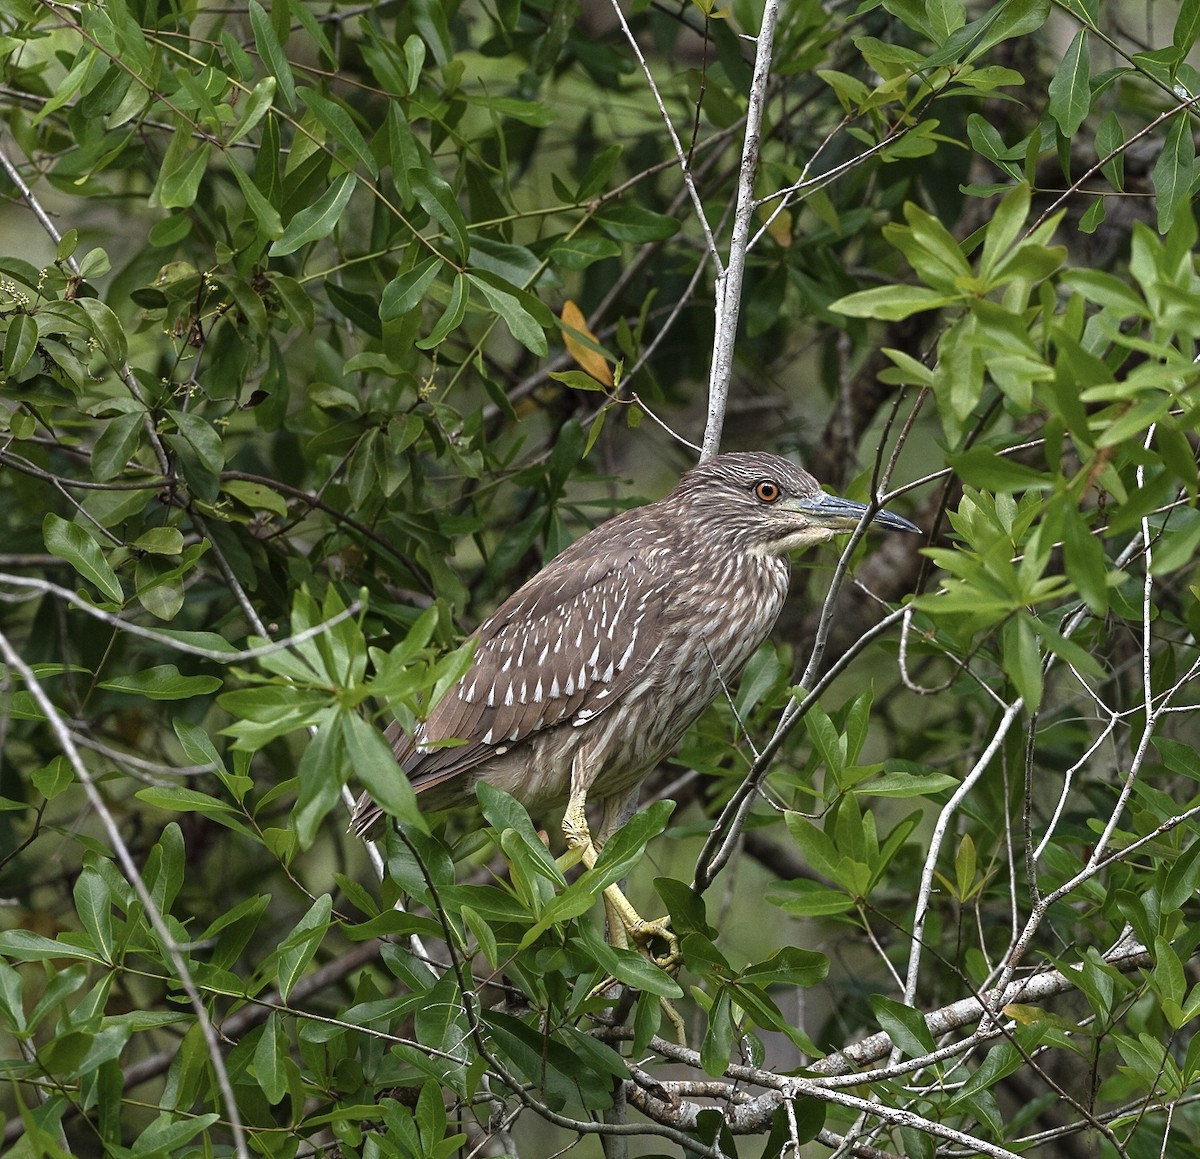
728,284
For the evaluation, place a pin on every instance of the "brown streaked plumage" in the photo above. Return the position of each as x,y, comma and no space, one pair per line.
592,671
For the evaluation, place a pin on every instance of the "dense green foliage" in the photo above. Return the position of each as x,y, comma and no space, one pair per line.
322,326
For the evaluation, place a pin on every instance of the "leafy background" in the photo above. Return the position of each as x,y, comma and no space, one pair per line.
324,325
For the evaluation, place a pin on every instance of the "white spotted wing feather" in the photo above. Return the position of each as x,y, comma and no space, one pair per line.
562,648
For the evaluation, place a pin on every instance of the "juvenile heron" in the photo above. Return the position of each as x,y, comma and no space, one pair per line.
591,672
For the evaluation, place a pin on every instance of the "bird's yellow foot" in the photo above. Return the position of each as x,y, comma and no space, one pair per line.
626,925
645,933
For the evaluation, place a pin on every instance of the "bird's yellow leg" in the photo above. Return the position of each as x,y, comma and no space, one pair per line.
623,920
616,904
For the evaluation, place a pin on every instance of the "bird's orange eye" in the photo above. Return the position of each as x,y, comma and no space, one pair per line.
766,491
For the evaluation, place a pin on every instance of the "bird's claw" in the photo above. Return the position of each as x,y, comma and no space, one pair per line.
644,933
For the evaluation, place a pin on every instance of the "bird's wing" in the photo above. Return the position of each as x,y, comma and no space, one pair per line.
562,648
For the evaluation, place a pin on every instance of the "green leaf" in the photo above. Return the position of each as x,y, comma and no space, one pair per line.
318,220
628,966
819,851
809,899
160,541
1001,1061
483,934
371,758
82,1052
414,58
115,446
159,587
1004,228
892,303
1070,91
965,864
539,1058
65,89
578,380
163,873
908,371
897,783
437,199
256,496
1179,758
1093,216
196,462
179,182
26,946
1004,21
95,263
19,343
685,906
1187,28
789,966
163,682
452,316
988,143
1183,878
93,904
827,740
579,252
406,291
945,17
717,1044
1107,290
272,53
53,778
1175,171
903,1025
172,1130
512,307
322,772
1110,141
1168,979
851,92
106,329
985,468
533,113
1022,659
254,108
70,542
623,851
264,213
931,250
504,813
202,437
635,223
167,231
270,1060
340,125
1084,559
404,152
181,800
301,945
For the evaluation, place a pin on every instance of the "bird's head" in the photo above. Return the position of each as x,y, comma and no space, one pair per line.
764,503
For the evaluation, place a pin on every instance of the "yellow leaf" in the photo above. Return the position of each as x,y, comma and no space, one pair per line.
575,329
1025,1015
779,226
1035,1015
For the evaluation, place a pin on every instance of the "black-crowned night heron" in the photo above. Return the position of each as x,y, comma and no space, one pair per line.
590,673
